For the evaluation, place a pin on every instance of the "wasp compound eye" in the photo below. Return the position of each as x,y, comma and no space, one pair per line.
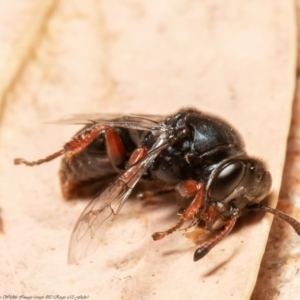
226,180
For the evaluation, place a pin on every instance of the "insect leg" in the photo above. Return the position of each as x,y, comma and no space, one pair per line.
18,161
115,147
207,246
150,194
186,188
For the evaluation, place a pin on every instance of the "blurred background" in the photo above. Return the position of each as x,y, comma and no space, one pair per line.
234,59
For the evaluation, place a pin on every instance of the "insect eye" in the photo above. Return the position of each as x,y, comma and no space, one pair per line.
226,180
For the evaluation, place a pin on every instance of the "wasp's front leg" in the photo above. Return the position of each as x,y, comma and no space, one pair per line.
186,188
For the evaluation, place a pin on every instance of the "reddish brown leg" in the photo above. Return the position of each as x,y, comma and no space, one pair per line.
115,147
18,161
186,188
207,246
210,216
137,154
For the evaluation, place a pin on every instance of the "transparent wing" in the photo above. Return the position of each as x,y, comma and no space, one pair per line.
100,213
139,122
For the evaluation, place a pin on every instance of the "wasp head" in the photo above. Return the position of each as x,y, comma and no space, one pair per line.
238,182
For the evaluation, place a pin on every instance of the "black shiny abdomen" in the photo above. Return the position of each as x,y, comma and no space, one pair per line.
93,163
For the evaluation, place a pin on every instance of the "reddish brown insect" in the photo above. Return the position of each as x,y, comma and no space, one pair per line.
200,156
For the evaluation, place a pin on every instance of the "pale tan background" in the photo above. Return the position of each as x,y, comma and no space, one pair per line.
235,59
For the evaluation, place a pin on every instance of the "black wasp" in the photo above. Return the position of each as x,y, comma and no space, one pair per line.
199,155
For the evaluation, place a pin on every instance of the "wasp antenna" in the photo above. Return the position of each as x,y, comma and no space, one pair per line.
293,222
